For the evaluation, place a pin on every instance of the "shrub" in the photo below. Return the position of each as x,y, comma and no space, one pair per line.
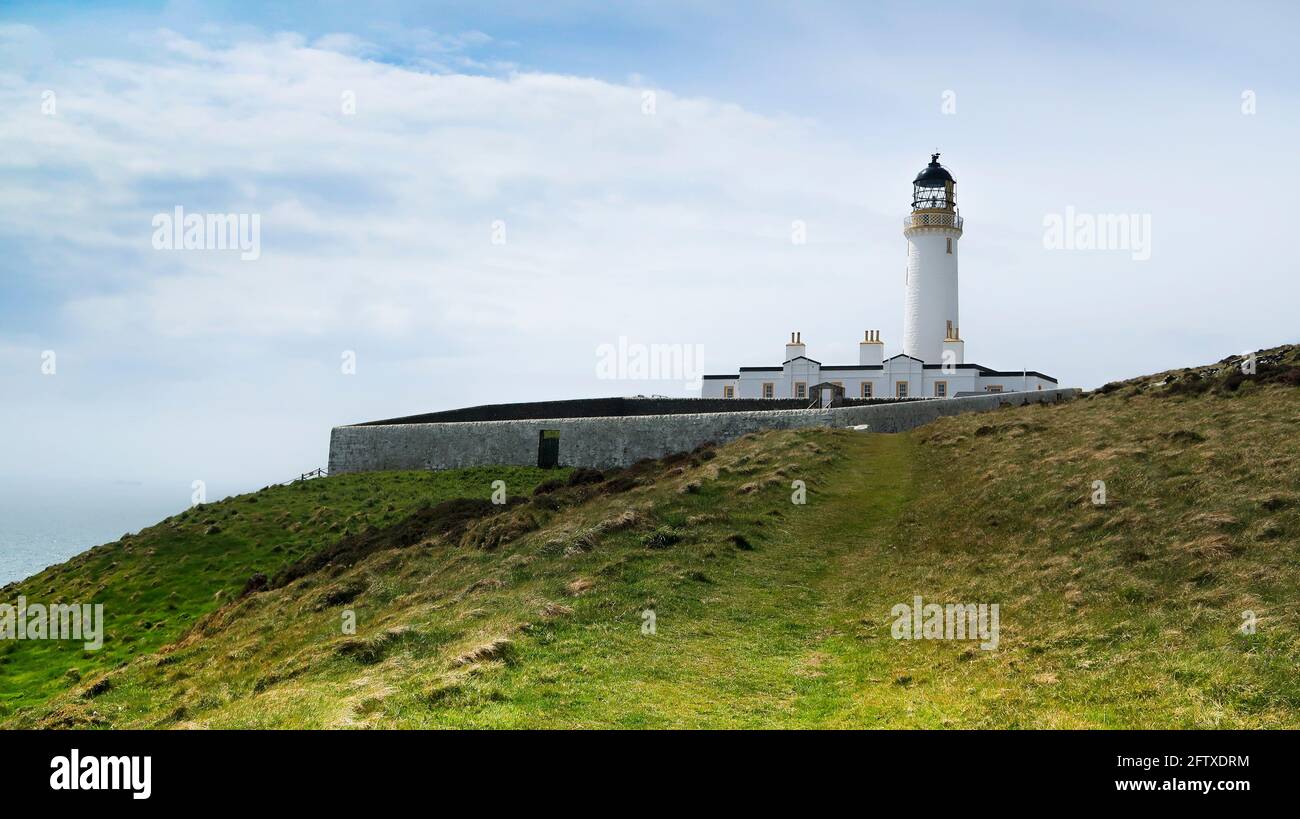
660,538
547,487
583,475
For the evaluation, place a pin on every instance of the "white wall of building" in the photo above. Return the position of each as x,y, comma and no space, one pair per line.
871,353
921,380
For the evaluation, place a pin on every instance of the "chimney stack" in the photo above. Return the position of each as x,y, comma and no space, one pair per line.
795,348
954,349
871,350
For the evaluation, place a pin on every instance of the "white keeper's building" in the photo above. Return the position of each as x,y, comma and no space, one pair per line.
932,364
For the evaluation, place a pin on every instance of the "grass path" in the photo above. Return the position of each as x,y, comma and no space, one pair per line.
849,679
772,640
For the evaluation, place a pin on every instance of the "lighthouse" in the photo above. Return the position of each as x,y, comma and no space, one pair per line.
933,361
933,230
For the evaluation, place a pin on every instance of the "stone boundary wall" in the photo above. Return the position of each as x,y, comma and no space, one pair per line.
621,441
902,417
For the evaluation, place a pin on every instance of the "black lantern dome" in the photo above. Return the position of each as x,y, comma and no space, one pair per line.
933,188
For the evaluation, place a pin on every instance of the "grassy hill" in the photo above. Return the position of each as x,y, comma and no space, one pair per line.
155,584
766,613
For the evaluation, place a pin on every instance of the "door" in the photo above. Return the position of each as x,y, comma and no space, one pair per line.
548,448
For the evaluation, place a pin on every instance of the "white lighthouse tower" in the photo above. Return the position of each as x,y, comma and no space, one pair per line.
932,364
933,230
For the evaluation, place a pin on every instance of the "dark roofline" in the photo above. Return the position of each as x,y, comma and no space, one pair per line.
804,357
905,355
996,373
761,369
606,408
717,377
1020,373
853,367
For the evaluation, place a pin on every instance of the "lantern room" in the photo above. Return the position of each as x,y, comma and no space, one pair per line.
933,188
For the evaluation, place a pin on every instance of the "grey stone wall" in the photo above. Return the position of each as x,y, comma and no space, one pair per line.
912,414
620,441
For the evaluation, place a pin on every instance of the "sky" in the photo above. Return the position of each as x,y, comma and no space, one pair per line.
461,203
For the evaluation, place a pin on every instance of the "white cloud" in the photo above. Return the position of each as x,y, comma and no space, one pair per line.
588,186
376,236
376,228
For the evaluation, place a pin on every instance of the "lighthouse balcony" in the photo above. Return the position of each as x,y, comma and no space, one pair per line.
932,219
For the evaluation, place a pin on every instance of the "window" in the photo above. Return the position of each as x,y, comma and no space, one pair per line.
868,389
941,389
900,389
950,247
728,391
801,389
993,388
769,389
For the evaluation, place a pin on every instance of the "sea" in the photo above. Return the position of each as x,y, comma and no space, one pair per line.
44,525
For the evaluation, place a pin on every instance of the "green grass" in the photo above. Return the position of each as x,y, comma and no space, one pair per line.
155,584
767,613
